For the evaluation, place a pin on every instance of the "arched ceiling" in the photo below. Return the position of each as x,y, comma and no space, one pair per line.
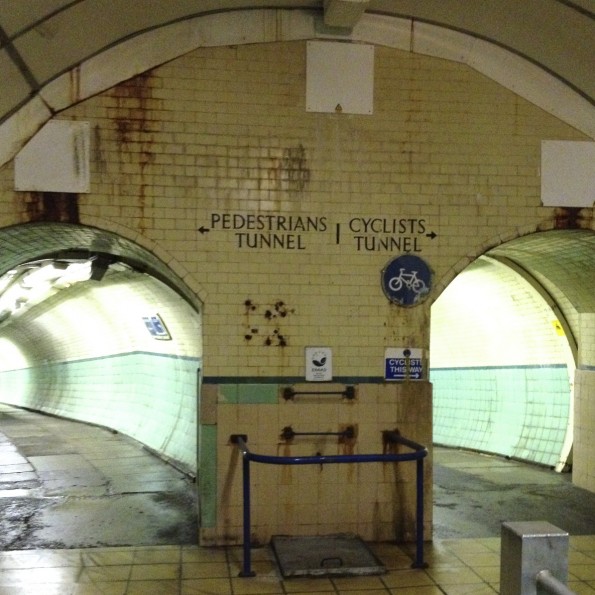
562,261
41,40
22,244
560,265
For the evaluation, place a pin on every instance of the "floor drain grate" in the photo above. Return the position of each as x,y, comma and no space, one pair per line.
344,554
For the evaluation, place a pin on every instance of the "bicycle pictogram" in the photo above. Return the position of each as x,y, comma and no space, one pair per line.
410,280
407,280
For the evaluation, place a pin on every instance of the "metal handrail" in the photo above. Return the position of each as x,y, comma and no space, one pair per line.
289,392
420,452
547,583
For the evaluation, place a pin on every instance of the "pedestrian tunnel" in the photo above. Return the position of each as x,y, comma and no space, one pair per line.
96,328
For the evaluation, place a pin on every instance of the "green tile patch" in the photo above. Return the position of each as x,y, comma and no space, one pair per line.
249,394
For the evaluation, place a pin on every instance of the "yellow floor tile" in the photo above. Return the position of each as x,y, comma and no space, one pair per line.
407,578
96,574
99,588
427,590
154,572
211,586
205,570
256,586
153,588
468,589
584,572
359,583
453,576
204,555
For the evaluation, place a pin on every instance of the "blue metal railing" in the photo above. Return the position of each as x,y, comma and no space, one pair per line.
418,455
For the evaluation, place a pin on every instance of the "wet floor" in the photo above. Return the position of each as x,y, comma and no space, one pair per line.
474,493
64,484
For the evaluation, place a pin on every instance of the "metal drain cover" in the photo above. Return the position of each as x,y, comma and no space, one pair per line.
343,554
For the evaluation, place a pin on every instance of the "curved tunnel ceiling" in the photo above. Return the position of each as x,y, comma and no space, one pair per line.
562,261
35,241
559,265
41,41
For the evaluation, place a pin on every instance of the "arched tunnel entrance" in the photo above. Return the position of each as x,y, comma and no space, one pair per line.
97,329
507,340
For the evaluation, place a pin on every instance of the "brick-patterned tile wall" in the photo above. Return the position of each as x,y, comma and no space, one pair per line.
224,131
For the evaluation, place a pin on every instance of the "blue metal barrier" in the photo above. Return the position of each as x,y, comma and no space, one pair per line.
418,455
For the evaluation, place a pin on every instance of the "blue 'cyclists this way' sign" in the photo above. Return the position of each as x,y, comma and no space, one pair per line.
406,280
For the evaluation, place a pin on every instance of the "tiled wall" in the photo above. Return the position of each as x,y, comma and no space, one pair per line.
500,367
520,412
185,153
584,435
373,500
115,374
147,396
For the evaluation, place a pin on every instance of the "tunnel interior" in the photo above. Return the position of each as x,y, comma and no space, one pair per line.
505,348
97,329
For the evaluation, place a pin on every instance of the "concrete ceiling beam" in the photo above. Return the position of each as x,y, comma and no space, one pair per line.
344,13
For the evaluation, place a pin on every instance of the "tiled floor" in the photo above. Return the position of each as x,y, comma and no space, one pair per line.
457,564
456,567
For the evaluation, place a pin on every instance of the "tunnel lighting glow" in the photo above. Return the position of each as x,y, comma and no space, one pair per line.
11,357
74,273
39,283
41,276
6,280
11,299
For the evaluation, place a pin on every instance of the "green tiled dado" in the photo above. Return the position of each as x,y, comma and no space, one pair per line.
228,393
258,393
246,394
502,410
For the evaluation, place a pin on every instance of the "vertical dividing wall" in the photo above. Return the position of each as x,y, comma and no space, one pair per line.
375,500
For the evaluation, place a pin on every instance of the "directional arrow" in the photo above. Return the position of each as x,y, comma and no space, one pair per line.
203,229
431,235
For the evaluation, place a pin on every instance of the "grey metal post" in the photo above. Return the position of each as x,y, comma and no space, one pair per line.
526,549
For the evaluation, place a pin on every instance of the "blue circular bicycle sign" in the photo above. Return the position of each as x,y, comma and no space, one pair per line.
406,280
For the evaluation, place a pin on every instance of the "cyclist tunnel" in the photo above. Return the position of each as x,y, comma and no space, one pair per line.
507,342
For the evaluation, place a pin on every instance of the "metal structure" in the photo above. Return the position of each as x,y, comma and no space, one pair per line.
534,559
418,454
